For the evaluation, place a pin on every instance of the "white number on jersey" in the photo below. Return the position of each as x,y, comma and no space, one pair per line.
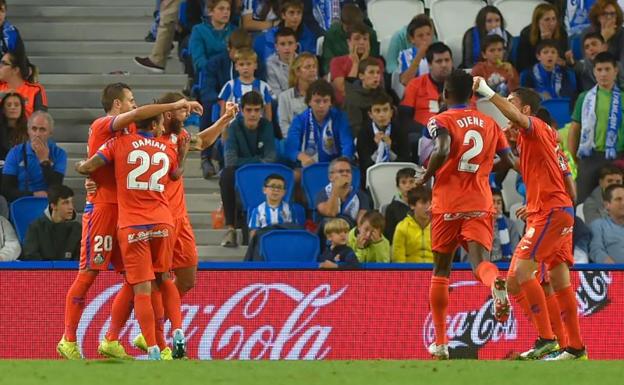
464,163
144,163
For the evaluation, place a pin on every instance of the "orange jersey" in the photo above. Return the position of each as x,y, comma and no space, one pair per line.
543,167
175,189
33,93
462,183
142,168
100,132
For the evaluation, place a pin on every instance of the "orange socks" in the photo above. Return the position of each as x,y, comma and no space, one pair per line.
144,313
486,273
171,302
438,299
555,320
537,306
159,314
569,314
120,311
75,303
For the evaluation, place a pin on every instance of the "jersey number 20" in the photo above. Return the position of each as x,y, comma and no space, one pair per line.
475,138
144,163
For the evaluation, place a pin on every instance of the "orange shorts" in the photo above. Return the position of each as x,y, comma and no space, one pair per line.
98,246
184,249
146,250
450,230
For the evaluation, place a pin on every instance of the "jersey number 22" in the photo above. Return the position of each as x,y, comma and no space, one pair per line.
144,163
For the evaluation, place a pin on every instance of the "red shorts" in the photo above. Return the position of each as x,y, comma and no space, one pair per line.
450,230
146,250
547,241
99,247
184,249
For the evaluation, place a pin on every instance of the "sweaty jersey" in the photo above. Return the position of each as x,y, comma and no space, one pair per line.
142,168
543,167
175,188
462,183
100,132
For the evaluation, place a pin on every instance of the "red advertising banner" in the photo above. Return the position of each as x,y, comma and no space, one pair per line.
242,314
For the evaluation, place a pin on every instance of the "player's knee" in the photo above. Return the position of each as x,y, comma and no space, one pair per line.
186,284
142,288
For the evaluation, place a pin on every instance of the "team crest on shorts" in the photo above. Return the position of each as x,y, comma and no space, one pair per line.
99,259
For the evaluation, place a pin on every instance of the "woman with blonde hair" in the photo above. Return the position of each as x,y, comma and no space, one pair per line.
291,102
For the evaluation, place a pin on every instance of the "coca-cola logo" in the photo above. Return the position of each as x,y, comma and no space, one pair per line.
592,292
227,334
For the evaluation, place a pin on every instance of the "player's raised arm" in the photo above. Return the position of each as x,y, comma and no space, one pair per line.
149,110
208,136
510,111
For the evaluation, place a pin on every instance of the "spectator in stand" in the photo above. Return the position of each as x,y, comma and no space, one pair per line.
259,15
338,254
398,209
607,244
31,168
13,123
548,78
581,240
593,207
367,239
412,237
290,17
596,135
500,75
593,44
321,133
56,234
250,139
337,38
398,42
321,15
340,199
606,18
506,233
489,22
361,91
14,71
545,24
381,138
278,64
412,61
303,72
10,38
10,248
342,67
209,38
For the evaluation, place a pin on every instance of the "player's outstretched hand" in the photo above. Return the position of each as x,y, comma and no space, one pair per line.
90,186
231,109
177,173
195,107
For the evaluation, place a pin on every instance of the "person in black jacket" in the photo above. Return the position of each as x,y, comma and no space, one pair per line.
398,209
56,234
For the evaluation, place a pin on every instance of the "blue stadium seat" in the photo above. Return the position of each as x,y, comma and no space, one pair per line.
315,177
289,246
249,181
24,211
559,110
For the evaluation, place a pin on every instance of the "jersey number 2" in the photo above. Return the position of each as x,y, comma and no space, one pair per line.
475,138
144,163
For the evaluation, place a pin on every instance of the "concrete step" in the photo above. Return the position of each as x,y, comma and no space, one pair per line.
19,11
205,236
82,114
100,64
196,202
63,47
221,254
90,3
84,30
99,81
192,170
76,97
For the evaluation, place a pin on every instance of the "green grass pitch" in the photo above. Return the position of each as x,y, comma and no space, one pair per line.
22,372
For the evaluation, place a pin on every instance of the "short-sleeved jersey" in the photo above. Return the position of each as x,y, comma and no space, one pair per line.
543,167
100,132
175,188
142,168
462,183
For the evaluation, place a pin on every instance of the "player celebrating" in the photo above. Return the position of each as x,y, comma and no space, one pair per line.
466,142
548,238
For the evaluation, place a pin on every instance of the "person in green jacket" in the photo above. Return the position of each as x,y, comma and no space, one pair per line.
56,234
368,241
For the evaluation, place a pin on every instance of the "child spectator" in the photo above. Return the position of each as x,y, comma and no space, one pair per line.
338,254
342,67
381,139
360,92
506,234
259,15
593,44
273,210
10,36
246,63
56,234
547,77
303,72
322,132
489,22
335,42
500,75
368,241
593,207
278,64
412,238
13,127
209,38
412,61
398,209
14,71
10,248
